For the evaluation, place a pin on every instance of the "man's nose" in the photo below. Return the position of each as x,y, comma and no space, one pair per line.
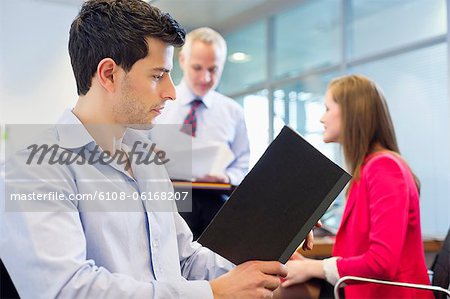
206,76
168,91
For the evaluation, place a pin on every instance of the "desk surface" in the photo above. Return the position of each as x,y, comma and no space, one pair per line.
324,245
202,185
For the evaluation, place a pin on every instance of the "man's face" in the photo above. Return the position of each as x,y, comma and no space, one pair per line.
201,67
144,90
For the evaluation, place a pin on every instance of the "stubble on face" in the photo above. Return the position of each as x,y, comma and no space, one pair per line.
130,110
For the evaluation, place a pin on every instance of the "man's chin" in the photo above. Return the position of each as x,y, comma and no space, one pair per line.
201,92
144,126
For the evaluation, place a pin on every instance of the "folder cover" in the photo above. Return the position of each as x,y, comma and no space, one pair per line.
280,200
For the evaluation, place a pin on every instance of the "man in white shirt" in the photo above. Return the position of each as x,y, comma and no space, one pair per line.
121,53
218,118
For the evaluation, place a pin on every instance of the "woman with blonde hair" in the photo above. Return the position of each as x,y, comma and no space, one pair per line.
379,235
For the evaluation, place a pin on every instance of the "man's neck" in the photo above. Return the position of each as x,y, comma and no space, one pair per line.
106,133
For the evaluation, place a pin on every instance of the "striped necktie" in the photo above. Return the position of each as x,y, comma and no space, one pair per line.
191,118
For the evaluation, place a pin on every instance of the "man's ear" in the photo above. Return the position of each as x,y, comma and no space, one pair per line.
107,73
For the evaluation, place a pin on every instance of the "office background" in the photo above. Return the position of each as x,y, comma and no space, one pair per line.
281,55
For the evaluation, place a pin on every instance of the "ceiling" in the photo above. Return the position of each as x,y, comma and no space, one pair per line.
213,13
222,15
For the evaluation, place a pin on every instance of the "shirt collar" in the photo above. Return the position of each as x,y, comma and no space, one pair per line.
137,139
185,96
71,132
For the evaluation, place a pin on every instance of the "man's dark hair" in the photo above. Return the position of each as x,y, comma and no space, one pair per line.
116,29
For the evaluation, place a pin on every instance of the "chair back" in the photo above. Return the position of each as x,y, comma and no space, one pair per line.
441,267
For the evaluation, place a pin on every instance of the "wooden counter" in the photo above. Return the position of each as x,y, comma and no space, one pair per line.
324,245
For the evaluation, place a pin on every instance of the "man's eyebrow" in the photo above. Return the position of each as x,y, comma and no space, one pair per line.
161,69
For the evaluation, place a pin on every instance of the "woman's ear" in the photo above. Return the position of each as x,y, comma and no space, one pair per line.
106,72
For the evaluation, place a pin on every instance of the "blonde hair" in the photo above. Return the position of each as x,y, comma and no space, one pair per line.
365,120
208,36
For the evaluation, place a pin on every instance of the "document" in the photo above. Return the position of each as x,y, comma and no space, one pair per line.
190,158
210,158
207,159
280,200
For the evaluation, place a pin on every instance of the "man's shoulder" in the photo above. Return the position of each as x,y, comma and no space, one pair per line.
26,153
227,102
22,139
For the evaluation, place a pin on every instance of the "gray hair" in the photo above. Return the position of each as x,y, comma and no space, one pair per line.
209,36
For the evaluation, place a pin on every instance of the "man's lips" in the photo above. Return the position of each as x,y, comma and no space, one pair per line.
204,86
158,109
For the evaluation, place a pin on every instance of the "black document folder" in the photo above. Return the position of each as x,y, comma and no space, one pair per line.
280,200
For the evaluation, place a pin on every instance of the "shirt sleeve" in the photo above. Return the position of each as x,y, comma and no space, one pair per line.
389,200
198,262
330,270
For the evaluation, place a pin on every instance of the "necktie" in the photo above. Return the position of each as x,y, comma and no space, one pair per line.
191,118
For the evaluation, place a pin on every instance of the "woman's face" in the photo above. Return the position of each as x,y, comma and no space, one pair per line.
331,119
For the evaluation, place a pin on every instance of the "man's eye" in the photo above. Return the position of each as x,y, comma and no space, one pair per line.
158,77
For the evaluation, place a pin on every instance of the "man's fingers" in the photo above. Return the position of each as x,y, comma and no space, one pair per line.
213,178
272,282
266,294
273,268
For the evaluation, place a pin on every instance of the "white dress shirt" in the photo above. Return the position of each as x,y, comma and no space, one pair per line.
220,119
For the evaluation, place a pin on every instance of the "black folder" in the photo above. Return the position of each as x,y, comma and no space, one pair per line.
280,200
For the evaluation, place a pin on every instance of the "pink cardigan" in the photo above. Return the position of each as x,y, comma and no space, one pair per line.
380,236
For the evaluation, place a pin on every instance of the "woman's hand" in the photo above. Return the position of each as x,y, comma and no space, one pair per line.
301,269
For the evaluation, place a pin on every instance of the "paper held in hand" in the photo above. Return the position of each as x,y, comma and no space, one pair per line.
190,158
210,158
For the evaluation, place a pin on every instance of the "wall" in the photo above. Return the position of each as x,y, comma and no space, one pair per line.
36,80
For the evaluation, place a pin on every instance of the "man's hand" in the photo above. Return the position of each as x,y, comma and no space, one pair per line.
221,178
254,279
